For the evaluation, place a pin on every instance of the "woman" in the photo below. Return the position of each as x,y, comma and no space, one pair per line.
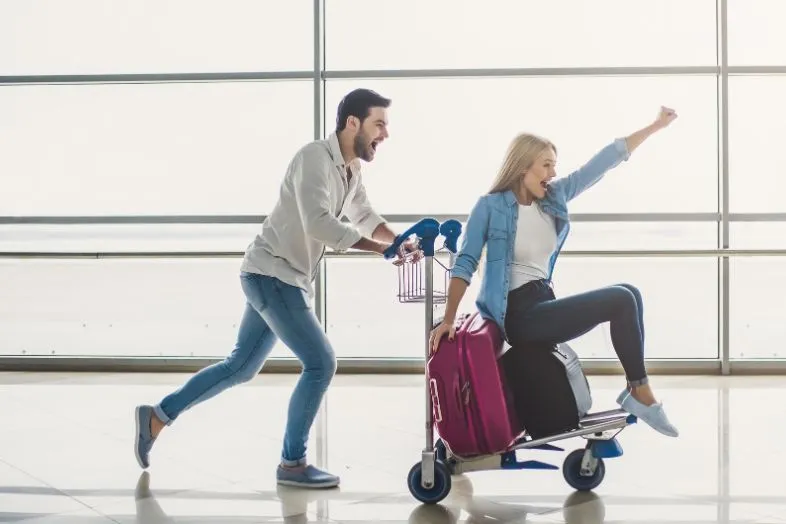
522,223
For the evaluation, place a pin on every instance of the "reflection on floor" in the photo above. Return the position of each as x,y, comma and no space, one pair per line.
66,457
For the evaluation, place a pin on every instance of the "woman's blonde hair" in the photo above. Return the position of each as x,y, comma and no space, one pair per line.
522,152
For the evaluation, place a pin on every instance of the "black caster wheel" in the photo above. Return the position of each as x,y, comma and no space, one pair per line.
438,491
578,480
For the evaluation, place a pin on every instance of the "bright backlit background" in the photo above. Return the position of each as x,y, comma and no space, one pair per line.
221,148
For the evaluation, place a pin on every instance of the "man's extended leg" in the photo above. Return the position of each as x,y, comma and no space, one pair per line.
255,340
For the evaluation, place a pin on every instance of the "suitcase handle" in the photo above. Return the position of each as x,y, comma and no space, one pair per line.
435,400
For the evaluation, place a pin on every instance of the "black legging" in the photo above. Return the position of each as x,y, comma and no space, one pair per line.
534,315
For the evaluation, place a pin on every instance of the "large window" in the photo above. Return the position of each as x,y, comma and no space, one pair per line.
756,34
680,298
758,235
145,307
448,138
140,308
757,125
758,286
411,34
119,111
77,37
600,236
365,318
680,295
756,128
126,238
204,148
680,307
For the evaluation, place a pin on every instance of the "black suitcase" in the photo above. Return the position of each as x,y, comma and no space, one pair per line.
548,388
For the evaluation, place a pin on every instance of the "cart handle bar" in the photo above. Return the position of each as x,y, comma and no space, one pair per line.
427,230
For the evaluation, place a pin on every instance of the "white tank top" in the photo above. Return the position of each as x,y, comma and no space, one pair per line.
536,241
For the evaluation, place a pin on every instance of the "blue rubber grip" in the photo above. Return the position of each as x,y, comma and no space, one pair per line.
427,231
451,230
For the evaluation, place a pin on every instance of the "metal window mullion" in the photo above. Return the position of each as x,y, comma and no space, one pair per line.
240,76
520,72
724,466
320,301
757,70
723,144
152,78
319,124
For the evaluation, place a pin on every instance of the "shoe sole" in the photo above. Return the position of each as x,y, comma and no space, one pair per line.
315,485
138,425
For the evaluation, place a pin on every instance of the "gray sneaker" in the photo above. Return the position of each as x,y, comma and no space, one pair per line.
311,477
143,438
653,415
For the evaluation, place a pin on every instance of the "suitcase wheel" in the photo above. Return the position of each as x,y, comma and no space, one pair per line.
441,450
435,493
577,478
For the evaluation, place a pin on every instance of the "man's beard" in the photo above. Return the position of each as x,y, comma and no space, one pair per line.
361,146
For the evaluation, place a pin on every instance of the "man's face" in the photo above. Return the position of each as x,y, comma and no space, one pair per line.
371,133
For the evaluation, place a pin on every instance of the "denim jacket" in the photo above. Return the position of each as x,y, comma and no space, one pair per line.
492,224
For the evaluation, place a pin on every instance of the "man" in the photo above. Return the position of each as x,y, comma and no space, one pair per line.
322,185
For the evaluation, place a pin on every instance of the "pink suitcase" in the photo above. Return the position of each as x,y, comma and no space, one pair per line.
469,398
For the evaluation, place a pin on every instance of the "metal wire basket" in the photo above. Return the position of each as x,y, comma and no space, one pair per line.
412,281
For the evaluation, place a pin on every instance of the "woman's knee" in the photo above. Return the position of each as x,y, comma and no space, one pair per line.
634,290
623,297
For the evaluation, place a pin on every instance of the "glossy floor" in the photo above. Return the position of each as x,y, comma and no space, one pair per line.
66,456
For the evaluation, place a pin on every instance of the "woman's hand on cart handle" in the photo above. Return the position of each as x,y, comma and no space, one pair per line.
438,332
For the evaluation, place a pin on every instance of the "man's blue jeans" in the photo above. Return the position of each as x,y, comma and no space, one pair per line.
274,310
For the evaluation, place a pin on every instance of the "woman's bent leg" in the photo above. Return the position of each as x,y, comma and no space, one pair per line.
560,320
564,319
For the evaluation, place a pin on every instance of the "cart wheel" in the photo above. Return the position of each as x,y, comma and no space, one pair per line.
571,470
435,493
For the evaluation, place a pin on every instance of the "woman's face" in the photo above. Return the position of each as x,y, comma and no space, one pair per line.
543,170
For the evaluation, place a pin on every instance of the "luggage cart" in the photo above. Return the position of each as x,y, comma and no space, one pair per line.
429,480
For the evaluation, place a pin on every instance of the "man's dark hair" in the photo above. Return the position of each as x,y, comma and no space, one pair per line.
358,103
